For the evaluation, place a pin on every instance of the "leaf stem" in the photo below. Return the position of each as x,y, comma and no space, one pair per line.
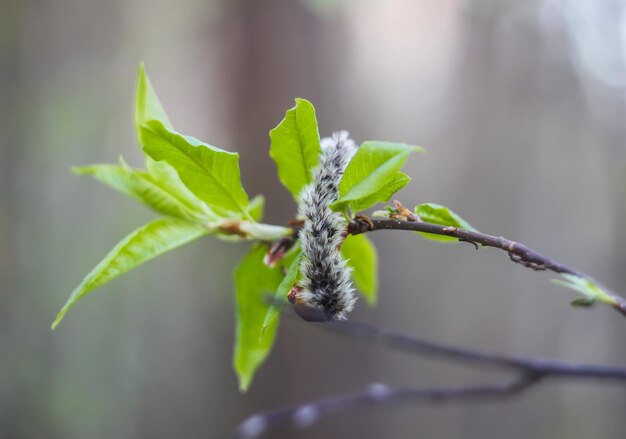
249,230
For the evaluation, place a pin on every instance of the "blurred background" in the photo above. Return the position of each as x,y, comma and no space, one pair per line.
522,109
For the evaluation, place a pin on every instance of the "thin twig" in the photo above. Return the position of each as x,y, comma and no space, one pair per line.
303,416
530,371
418,345
518,252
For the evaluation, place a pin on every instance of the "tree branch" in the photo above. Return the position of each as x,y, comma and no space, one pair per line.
518,252
416,345
303,416
530,372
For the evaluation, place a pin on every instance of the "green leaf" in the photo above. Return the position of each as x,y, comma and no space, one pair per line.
398,181
256,206
167,177
281,293
145,243
295,147
253,281
360,253
438,214
147,104
370,173
591,292
148,107
211,173
155,193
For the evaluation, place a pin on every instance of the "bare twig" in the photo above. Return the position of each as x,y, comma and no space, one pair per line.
530,372
518,252
418,345
303,416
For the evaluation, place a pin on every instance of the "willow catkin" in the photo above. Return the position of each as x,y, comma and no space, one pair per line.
325,291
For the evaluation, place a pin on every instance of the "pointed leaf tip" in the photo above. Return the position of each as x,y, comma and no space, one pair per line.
295,147
145,243
253,280
147,104
211,173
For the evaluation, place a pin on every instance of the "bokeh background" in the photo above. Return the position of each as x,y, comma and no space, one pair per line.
520,104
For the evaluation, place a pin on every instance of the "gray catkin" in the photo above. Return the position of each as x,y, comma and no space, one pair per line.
326,285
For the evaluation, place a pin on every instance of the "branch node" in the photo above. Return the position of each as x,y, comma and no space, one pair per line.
469,242
526,263
360,224
278,249
232,227
403,213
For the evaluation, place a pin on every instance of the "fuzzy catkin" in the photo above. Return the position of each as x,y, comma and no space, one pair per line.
326,287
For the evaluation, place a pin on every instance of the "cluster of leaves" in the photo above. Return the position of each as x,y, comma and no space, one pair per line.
197,188
372,175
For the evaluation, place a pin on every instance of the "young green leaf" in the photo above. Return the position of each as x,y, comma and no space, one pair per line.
399,180
438,214
156,193
211,173
295,147
168,177
281,293
591,292
370,174
147,104
253,281
148,107
361,256
145,243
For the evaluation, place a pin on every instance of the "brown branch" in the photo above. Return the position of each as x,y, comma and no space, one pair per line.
518,252
530,372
